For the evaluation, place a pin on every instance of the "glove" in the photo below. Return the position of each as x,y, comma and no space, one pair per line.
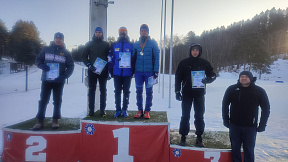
261,128
60,79
206,80
226,124
44,67
91,67
178,96
155,75
109,76
119,59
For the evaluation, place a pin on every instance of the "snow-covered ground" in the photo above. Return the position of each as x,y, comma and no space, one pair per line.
16,105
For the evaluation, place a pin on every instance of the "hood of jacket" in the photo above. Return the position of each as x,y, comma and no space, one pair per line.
193,45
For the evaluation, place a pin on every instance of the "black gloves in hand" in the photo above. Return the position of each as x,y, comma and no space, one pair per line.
261,128
155,75
44,67
178,96
91,67
206,80
109,76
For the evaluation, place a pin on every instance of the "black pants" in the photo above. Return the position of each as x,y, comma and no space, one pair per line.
242,135
122,83
46,89
92,89
199,109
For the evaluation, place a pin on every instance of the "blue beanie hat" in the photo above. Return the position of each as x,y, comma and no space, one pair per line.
59,35
144,26
99,29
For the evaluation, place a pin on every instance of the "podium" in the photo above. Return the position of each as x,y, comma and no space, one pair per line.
109,141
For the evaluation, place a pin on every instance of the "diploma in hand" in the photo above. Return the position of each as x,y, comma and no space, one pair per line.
152,81
99,64
53,73
196,77
125,59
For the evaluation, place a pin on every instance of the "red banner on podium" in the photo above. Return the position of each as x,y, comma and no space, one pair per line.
57,146
191,154
124,142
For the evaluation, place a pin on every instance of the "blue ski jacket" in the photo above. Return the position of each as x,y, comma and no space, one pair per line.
122,45
148,59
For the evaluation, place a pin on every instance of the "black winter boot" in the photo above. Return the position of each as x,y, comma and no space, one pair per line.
183,140
91,113
102,113
199,142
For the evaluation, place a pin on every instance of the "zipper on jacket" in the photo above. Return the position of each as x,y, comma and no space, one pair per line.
121,51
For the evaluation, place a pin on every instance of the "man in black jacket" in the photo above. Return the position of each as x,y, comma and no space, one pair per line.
53,59
93,50
191,76
241,119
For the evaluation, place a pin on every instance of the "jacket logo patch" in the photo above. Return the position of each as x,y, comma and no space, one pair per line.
127,49
61,54
117,49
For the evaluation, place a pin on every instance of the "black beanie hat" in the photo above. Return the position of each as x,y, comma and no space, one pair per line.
248,73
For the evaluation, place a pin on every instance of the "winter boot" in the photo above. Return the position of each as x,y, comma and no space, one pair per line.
125,113
91,113
147,115
117,114
55,124
103,113
139,114
183,140
199,142
39,125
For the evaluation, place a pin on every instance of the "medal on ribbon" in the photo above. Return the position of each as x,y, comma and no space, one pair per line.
142,47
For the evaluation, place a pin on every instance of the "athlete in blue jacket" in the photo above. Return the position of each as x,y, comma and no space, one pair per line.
120,72
146,55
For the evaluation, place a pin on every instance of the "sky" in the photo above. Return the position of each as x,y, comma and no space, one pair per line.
71,17
16,105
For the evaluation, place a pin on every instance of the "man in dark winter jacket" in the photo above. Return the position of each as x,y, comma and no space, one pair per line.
242,116
146,55
120,69
97,49
191,77
57,65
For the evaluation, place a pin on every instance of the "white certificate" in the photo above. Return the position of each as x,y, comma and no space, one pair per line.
196,77
53,73
152,81
99,64
125,59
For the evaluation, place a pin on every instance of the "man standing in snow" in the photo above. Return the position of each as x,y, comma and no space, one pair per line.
93,50
53,60
241,118
121,71
191,77
146,53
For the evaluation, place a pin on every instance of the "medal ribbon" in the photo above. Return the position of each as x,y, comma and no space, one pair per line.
143,45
